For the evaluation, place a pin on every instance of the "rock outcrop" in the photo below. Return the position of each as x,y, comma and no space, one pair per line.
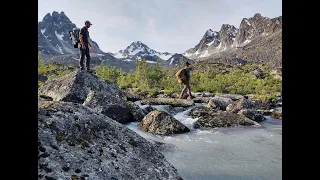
137,112
76,86
111,106
75,142
162,123
85,88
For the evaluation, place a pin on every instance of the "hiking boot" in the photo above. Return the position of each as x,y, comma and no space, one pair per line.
183,97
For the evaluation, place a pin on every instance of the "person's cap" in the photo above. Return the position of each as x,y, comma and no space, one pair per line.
187,63
88,22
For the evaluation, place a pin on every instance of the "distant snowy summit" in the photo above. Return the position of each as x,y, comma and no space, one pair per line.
138,50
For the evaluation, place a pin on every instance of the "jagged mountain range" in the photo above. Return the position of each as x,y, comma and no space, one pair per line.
258,39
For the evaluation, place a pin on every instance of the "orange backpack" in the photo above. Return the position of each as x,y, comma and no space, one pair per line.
181,75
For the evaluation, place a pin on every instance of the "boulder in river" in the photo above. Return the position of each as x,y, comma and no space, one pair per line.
211,118
236,106
137,112
252,114
219,102
162,123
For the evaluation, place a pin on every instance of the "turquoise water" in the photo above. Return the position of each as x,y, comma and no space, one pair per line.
222,153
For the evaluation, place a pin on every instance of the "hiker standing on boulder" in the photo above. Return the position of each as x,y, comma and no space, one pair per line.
183,76
84,48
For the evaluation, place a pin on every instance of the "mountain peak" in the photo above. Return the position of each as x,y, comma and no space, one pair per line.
137,42
55,13
47,17
257,15
138,50
53,35
210,33
226,26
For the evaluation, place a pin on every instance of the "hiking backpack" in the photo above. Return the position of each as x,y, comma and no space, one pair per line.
181,75
74,36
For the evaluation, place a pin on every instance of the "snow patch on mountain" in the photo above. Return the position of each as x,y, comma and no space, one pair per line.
247,41
118,55
59,36
164,56
43,31
60,49
171,61
151,62
205,54
247,22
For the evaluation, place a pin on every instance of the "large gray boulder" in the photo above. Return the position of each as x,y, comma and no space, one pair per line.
236,106
75,142
109,105
219,102
85,88
137,112
211,118
162,123
252,114
76,86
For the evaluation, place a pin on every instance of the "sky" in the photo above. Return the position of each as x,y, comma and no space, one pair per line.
171,26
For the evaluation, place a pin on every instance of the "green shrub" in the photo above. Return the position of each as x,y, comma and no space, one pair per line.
110,74
149,80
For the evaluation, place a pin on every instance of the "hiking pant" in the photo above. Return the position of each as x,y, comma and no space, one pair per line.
186,88
85,52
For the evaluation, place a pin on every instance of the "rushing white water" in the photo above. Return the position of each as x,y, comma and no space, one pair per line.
222,153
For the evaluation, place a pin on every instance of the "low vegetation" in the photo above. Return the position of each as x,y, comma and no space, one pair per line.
212,78
50,70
